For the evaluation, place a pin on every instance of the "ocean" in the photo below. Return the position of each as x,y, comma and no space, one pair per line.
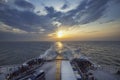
104,53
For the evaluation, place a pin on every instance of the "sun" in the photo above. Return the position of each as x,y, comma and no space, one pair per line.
60,34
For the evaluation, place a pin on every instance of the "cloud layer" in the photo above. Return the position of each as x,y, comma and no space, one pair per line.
23,17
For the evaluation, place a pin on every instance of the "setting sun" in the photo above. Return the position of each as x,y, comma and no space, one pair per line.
60,34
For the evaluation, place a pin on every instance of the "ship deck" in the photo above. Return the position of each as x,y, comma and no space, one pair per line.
58,69
61,69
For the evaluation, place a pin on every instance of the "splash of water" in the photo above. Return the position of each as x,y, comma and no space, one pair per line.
59,48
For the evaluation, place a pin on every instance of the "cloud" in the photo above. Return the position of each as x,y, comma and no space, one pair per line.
3,1
6,28
87,11
56,23
66,5
29,20
24,20
50,10
24,4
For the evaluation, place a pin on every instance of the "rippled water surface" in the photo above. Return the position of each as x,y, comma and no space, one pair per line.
100,52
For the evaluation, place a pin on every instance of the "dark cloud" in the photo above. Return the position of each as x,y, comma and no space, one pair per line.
93,31
52,13
25,20
2,1
24,4
50,10
95,10
117,1
30,21
86,12
65,6
38,12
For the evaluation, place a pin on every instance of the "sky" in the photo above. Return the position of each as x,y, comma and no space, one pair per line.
51,20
